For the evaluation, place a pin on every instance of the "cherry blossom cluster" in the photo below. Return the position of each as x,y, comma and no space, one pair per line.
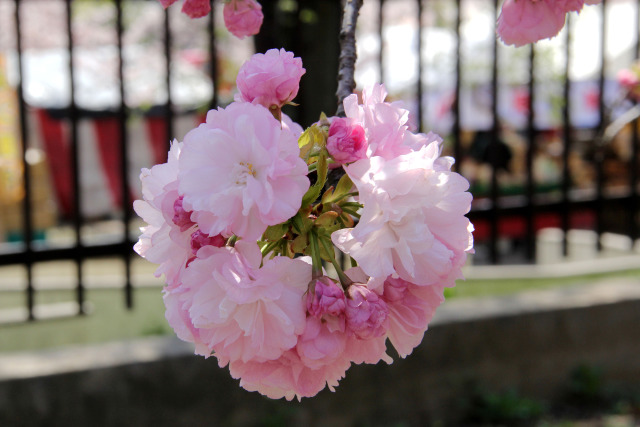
243,227
241,17
526,21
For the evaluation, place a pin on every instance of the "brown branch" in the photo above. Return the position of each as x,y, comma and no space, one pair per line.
346,67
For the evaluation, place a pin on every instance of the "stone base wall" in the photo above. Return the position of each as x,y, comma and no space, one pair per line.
155,382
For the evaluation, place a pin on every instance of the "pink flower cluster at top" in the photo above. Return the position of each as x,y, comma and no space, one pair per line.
259,305
241,17
527,21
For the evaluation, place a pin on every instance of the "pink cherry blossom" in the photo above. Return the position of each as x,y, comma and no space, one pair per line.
325,297
366,313
385,124
177,301
413,221
243,17
411,308
181,217
319,345
163,241
346,142
241,172
527,21
271,79
373,349
243,311
200,239
370,351
288,376
192,8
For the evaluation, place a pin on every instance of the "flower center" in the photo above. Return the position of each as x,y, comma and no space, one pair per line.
242,171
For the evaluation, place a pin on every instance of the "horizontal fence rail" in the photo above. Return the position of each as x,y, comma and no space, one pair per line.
609,203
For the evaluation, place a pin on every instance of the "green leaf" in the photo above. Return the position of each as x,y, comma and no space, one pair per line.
300,243
311,138
314,191
327,219
275,232
342,190
344,186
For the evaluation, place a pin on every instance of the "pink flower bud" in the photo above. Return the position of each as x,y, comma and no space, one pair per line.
181,217
346,142
367,313
325,297
243,17
270,79
200,239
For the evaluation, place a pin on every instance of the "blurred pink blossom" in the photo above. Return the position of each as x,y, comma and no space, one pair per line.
271,79
243,17
527,21
192,8
629,79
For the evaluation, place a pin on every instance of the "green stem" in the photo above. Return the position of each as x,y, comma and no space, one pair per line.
344,279
269,247
351,212
316,260
351,205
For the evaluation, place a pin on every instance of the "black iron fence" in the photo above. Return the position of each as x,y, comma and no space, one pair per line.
593,186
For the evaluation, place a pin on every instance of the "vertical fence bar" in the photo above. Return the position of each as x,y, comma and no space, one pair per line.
531,152
457,145
75,164
168,113
565,214
419,55
635,154
495,134
381,37
26,178
124,161
599,149
213,57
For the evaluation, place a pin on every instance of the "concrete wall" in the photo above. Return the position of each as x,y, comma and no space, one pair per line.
155,382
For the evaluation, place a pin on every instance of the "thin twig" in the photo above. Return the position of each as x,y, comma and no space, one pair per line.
346,67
